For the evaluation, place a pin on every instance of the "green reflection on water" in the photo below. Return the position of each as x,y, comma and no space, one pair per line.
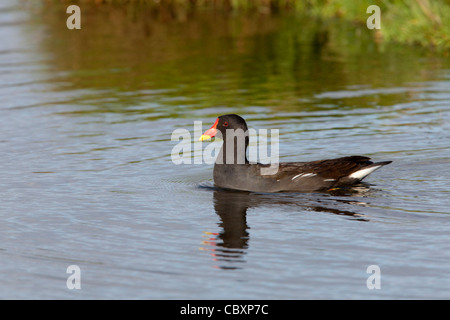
132,61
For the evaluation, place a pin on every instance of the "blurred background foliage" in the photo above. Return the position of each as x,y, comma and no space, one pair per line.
142,56
415,22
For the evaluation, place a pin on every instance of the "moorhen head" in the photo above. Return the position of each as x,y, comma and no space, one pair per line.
232,129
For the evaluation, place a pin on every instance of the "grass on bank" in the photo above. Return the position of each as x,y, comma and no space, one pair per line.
414,22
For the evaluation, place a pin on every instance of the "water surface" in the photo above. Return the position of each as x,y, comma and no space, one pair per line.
87,177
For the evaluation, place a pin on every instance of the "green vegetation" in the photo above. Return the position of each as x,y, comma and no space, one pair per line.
416,22
144,57
412,22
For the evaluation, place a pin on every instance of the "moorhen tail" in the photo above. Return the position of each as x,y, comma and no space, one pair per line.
232,170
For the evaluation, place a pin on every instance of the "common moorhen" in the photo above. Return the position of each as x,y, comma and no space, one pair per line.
232,170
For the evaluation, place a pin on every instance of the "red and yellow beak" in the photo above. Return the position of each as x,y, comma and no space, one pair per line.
211,132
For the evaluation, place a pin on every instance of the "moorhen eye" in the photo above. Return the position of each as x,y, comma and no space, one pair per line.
225,124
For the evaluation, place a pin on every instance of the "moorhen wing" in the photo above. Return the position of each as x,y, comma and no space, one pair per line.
232,170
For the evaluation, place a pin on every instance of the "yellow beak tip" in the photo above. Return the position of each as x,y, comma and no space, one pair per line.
204,137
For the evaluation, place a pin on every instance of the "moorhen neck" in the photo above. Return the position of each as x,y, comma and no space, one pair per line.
232,170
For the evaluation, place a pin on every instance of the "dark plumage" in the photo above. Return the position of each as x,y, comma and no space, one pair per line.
233,171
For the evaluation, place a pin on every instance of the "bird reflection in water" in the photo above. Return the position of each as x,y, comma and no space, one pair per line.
229,246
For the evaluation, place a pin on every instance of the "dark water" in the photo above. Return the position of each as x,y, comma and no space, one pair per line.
87,178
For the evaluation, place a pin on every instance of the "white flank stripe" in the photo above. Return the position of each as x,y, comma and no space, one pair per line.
304,175
361,174
309,175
